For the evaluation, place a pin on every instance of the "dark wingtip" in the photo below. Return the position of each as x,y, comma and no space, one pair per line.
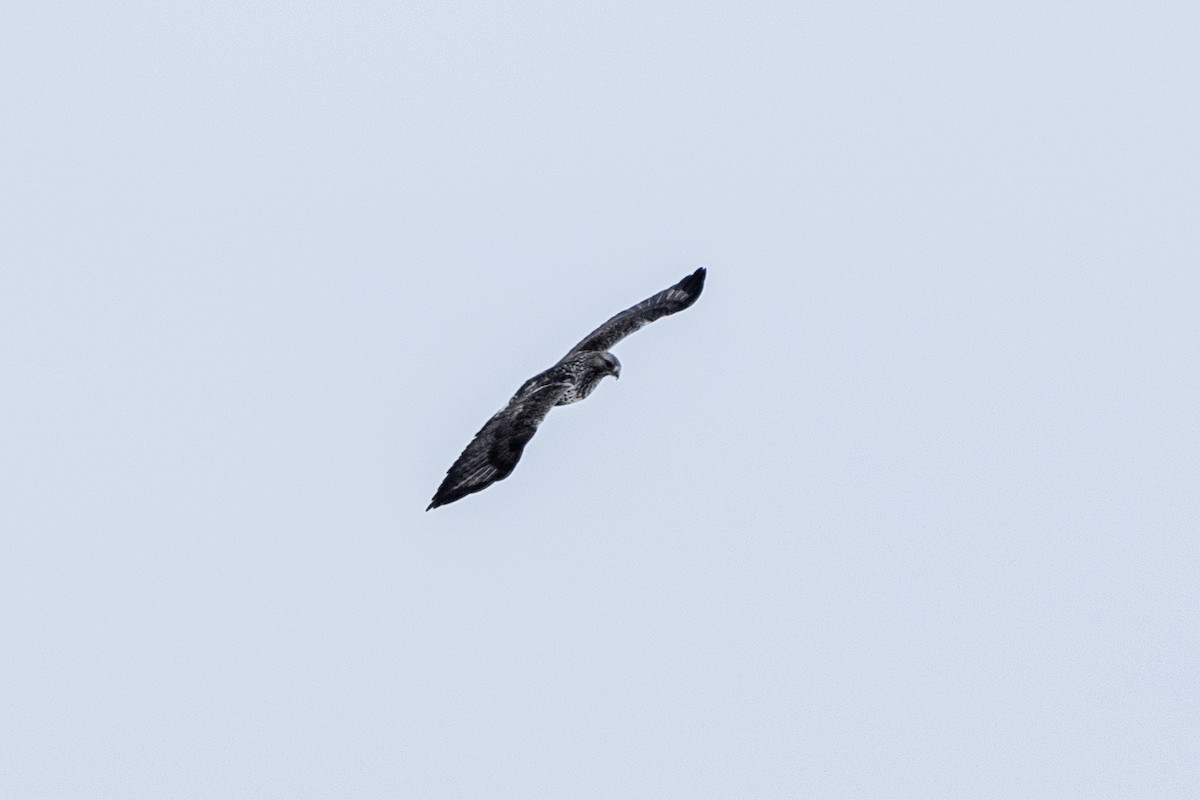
445,496
693,284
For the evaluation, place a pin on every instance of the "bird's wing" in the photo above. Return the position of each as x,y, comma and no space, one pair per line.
668,301
494,452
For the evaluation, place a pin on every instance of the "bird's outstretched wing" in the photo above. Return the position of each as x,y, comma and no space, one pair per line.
494,452
668,301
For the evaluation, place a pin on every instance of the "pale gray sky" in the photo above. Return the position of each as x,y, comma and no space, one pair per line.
904,507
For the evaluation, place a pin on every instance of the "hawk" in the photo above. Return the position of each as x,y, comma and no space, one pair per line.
494,452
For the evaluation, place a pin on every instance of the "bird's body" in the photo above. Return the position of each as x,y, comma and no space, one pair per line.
586,371
494,452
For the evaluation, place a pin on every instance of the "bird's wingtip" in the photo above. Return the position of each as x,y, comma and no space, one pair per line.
694,283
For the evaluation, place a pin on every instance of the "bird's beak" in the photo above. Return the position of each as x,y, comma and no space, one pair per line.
617,373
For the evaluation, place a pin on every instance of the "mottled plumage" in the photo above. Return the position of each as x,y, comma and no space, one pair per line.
494,452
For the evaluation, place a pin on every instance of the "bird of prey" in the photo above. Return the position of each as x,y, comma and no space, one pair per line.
494,452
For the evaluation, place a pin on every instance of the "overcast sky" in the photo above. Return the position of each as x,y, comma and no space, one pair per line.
906,506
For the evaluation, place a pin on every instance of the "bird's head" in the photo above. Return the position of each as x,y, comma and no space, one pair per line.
608,364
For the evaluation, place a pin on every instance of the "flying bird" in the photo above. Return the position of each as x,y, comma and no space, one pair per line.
494,452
